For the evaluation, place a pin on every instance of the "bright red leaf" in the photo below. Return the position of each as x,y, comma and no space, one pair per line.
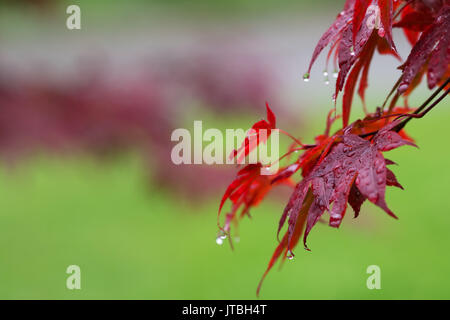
254,136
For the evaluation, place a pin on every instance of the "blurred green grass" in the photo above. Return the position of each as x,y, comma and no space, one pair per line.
135,241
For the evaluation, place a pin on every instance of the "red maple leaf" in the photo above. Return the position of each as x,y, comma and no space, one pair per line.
361,28
353,171
431,54
414,22
250,186
254,136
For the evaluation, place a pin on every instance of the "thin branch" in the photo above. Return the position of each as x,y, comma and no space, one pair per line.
391,92
401,125
418,112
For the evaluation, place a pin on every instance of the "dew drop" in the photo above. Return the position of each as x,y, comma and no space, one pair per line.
306,77
373,196
325,73
403,87
219,241
335,74
290,255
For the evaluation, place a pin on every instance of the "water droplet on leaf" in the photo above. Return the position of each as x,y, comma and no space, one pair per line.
306,77
403,87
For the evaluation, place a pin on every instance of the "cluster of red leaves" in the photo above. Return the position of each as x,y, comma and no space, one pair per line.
360,29
339,169
352,172
366,25
348,167
430,54
250,186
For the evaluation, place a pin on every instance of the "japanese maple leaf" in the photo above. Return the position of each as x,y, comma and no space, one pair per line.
430,55
254,137
353,171
358,30
414,22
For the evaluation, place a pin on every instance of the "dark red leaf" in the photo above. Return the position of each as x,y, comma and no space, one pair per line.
415,21
356,199
391,179
352,161
432,46
331,34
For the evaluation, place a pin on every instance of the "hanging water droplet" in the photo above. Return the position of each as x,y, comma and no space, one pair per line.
326,81
325,73
306,77
219,240
290,255
335,74
333,97
222,235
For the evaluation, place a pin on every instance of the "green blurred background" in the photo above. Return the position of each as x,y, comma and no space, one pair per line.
135,239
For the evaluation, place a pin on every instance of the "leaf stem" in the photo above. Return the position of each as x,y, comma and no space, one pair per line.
420,111
418,114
